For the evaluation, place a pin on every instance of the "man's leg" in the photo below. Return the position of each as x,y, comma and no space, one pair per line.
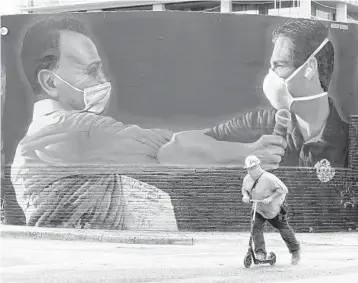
258,236
287,234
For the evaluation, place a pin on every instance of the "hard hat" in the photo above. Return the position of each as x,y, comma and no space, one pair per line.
251,161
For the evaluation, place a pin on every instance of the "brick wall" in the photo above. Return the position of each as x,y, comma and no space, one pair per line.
353,142
209,198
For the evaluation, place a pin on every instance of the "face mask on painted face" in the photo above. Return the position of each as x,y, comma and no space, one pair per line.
95,98
276,88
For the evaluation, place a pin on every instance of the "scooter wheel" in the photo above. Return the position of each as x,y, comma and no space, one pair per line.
247,260
273,258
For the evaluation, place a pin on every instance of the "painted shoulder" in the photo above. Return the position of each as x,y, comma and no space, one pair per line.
84,119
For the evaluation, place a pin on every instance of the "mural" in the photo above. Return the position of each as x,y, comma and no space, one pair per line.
173,89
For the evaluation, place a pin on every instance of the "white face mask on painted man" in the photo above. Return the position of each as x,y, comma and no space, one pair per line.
276,88
96,98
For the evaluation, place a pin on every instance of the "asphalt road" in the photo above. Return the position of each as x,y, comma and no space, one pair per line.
213,261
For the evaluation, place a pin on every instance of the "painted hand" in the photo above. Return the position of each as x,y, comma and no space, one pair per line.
270,150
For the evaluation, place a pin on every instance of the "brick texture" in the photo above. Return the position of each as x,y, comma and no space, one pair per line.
209,198
353,142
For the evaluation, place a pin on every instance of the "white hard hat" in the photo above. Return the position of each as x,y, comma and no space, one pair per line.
251,161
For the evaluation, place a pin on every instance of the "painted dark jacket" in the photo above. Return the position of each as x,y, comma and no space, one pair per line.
330,144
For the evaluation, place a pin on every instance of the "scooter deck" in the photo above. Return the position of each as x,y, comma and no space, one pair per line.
256,261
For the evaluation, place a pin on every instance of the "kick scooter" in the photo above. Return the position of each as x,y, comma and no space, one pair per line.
250,255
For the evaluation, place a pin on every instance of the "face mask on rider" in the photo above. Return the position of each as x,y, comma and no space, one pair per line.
276,88
255,171
95,98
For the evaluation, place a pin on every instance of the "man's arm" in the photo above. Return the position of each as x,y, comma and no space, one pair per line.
244,192
227,144
279,189
246,186
195,147
246,128
111,141
276,194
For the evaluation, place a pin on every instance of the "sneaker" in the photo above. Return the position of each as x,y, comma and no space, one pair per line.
260,256
296,257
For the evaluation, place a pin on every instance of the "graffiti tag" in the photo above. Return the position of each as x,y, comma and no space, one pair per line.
324,170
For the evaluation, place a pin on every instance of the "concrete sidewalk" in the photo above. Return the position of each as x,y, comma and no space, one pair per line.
47,261
167,238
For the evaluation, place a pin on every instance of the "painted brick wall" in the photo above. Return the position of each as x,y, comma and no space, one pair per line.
209,198
353,142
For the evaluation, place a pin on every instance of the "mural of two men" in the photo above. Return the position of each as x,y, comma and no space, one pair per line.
72,93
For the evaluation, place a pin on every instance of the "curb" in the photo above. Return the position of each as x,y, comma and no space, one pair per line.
124,237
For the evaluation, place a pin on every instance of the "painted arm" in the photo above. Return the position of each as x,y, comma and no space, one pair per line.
196,147
228,143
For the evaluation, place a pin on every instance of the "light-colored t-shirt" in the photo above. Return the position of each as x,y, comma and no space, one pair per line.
265,187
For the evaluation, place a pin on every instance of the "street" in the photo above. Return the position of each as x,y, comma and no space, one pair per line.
30,260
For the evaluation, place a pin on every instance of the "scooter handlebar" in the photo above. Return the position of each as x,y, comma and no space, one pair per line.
255,200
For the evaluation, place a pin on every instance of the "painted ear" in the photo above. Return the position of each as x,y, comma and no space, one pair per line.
308,73
312,66
46,82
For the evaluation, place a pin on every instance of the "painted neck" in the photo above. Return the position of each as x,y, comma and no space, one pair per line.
41,96
312,115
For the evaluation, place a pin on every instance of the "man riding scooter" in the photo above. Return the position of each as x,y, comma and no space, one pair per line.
259,184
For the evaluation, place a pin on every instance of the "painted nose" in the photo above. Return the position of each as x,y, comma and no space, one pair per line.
101,78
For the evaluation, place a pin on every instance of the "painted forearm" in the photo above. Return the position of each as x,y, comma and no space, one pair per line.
194,147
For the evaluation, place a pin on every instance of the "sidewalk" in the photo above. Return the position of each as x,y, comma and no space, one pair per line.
167,238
